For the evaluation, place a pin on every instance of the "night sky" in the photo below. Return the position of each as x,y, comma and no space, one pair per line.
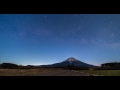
38,39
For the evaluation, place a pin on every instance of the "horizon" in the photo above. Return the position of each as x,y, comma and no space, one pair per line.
40,39
49,63
59,62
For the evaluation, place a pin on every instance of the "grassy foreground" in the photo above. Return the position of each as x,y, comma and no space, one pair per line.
24,72
102,72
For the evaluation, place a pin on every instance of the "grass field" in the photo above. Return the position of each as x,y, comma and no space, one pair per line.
24,72
102,72
28,72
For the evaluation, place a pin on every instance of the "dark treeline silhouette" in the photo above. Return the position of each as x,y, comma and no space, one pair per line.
8,65
15,66
72,67
110,66
113,64
105,66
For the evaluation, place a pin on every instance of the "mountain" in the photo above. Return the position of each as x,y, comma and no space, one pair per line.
70,61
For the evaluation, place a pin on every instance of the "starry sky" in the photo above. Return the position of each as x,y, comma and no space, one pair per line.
37,39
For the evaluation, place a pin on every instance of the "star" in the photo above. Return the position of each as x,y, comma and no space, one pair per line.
50,37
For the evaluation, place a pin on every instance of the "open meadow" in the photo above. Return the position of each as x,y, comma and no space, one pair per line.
25,72
56,71
102,72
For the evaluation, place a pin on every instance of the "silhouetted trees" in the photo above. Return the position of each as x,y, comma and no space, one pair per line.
72,67
110,66
15,66
8,66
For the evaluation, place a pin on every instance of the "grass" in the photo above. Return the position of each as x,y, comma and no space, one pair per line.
24,72
27,72
102,72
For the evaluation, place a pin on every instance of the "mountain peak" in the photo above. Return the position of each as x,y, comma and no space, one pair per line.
71,59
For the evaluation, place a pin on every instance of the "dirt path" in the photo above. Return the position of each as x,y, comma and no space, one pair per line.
63,73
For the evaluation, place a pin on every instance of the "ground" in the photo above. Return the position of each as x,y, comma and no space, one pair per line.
57,72
40,72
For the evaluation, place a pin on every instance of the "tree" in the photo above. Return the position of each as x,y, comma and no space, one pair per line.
9,65
68,66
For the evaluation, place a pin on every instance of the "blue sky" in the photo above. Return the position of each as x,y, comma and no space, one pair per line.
50,38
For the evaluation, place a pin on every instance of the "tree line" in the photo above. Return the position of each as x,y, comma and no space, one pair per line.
110,66
15,66
105,66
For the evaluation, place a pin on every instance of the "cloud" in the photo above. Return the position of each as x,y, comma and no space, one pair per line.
84,41
114,45
102,43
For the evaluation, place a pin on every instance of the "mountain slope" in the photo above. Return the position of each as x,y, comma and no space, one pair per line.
69,61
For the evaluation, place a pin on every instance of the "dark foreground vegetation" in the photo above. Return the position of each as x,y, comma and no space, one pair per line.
109,66
15,66
105,66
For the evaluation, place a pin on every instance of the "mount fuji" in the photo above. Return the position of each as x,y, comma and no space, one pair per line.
70,61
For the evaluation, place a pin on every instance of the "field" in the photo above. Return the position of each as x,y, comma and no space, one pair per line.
102,72
56,71
25,72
